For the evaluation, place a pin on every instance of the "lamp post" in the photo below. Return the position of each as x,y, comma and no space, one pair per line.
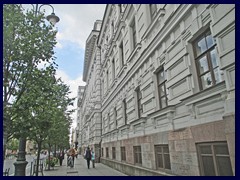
20,164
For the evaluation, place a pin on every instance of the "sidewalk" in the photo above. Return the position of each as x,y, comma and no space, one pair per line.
80,169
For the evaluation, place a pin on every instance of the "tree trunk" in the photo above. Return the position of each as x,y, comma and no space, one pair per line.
49,151
38,156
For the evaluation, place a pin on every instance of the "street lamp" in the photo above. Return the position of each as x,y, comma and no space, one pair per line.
21,163
52,18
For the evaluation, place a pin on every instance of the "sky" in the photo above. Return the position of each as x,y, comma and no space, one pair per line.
75,25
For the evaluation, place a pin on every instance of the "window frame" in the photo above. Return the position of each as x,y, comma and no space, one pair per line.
207,54
213,155
107,152
139,102
137,153
123,153
163,155
162,84
113,152
133,33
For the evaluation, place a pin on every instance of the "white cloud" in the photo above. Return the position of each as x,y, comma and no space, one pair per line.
77,21
73,84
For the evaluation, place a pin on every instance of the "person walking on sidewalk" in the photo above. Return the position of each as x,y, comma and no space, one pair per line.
93,159
88,156
61,157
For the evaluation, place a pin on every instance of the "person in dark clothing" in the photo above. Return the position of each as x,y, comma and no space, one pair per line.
61,157
88,157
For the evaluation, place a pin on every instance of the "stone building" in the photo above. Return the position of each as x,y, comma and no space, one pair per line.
90,105
160,92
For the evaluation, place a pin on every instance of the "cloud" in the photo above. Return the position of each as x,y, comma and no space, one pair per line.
73,84
77,21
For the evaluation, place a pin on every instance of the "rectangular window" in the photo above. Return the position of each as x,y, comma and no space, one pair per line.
124,109
162,157
113,70
115,117
123,154
107,153
153,10
162,90
139,104
134,34
113,153
209,73
214,159
102,152
137,154
121,56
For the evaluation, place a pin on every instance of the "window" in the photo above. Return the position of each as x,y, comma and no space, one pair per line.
162,157
121,61
113,153
208,70
134,34
153,10
107,82
137,154
102,152
162,90
107,153
123,154
139,99
115,117
124,109
113,70
214,159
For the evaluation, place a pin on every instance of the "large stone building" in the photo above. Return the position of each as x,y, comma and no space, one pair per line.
160,89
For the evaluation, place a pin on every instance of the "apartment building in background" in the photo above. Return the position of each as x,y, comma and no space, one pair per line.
160,89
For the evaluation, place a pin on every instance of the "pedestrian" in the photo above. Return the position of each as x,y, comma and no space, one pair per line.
88,156
71,153
61,157
93,159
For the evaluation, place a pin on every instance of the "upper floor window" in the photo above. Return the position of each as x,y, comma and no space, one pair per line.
214,159
137,154
121,56
113,69
162,90
134,33
115,117
153,10
124,110
139,103
208,70
162,156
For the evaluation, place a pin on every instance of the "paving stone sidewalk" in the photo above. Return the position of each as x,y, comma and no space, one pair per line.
80,169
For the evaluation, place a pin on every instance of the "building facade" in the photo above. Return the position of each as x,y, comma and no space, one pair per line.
166,89
90,105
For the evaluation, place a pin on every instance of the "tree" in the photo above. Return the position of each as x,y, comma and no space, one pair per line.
42,107
27,41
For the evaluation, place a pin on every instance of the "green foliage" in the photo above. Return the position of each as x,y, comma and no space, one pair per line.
12,144
27,41
35,102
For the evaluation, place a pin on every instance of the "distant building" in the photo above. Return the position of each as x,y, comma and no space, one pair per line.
160,89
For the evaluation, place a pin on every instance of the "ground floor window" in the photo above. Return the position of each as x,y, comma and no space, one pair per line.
113,153
214,159
162,157
123,153
107,153
137,154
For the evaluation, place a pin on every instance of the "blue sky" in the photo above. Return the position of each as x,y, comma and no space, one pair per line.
75,25
70,59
